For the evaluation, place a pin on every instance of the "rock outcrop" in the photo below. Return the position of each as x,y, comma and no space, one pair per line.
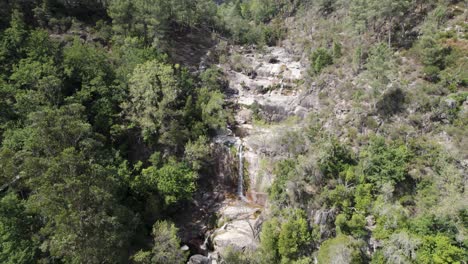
199,259
239,229
265,88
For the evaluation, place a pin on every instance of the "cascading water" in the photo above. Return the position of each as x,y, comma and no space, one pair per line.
240,184
204,246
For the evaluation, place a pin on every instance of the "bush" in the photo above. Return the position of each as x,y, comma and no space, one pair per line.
334,159
294,237
273,33
175,181
253,22
326,7
342,249
337,53
381,63
384,163
433,56
165,248
284,170
439,249
269,240
320,59
431,73
287,241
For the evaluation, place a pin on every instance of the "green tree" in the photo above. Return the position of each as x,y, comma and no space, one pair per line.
433,56
401,248
367,14
341,249
123,14
153,19
175,181
197,153
384,163
16,230
337,52
284,170
206,13
334,158
360,14
4,14
166,246
357,225
363,197
339,197
354,226
390,11
89,80
37,84
11,43
157,96
131,53
85,64
390,217
319,59
248,256
269,240
211,104
294,237
7,109
55,156
381,64
85,223
52,130
438,249
327,6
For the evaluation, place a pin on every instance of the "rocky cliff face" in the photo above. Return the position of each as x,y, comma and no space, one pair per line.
269,87
265,87
267,91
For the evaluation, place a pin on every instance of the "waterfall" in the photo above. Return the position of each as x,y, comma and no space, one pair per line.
204,246
240,184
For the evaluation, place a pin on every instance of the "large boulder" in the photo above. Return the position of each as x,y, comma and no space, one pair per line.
239,230
199,259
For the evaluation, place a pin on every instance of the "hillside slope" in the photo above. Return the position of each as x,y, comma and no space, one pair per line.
236,131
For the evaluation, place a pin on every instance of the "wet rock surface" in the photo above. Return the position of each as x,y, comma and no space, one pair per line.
267,89
222,218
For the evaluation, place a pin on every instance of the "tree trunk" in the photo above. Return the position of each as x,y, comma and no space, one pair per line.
145,33
390,34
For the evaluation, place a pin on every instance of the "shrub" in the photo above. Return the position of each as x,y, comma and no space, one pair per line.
439,249
165,248
175,181
269,240
381,63
337,53
283,171
433,56
320,59
334,158
294,237
431,73
342,249
384,163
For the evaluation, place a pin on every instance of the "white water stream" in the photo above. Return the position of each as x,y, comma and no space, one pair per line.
240,184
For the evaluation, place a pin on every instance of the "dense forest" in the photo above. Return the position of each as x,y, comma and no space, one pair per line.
109,111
